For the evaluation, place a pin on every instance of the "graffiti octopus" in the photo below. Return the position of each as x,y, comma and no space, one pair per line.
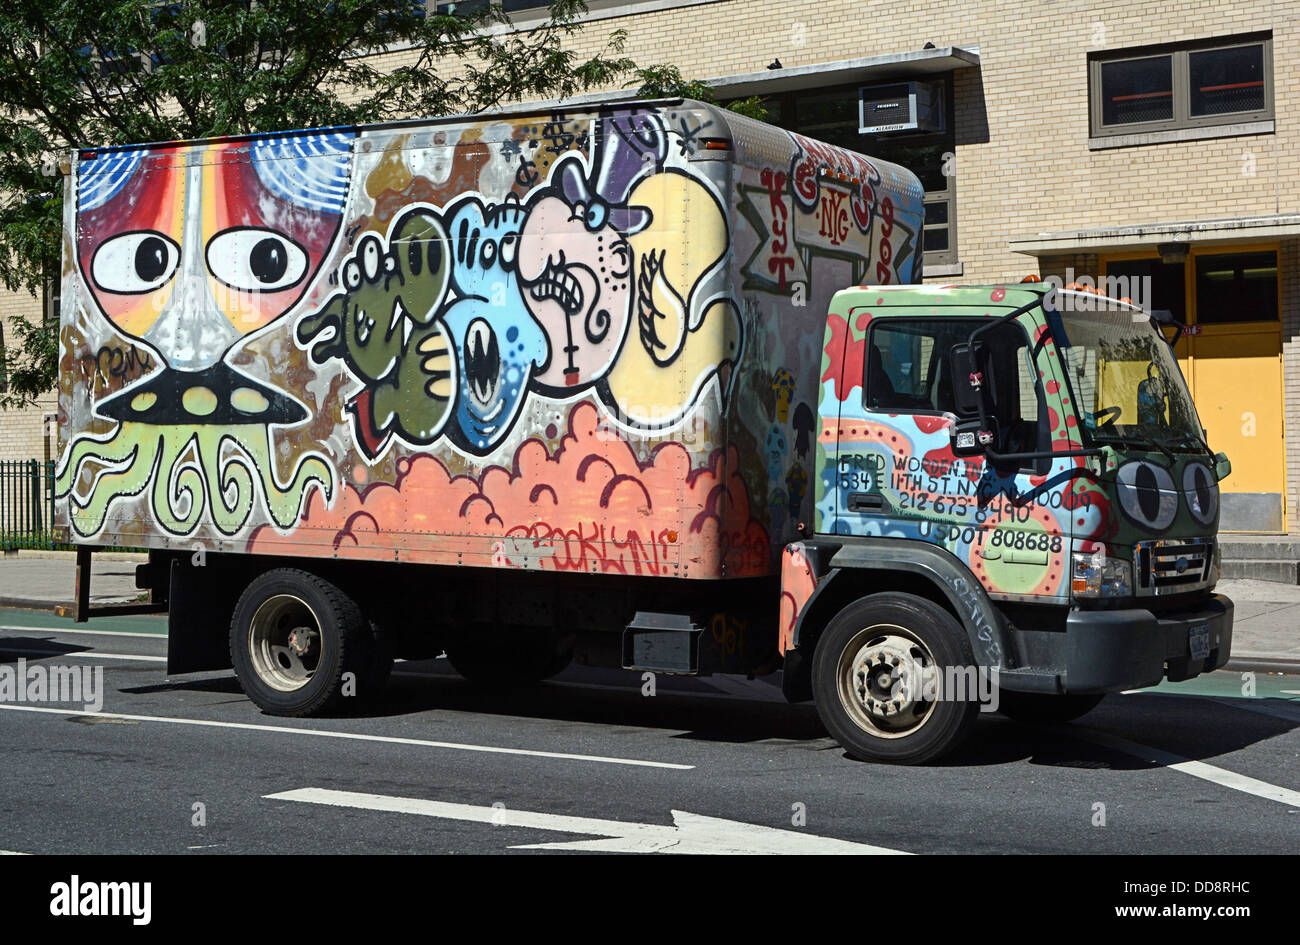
189,251
583,283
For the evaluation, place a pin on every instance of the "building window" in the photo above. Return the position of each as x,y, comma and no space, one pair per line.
1241,287
1191,85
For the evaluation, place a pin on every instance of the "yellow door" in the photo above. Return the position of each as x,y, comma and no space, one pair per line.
1237,387
1232,359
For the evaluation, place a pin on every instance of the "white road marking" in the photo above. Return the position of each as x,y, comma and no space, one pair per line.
689,833
91,633
13,853
80,654
357,736
1197,769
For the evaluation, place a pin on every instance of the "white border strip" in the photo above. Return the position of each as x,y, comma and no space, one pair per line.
360,737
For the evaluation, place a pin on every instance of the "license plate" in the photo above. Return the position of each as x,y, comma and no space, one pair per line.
1198,640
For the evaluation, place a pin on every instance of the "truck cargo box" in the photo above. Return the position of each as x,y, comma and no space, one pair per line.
585,340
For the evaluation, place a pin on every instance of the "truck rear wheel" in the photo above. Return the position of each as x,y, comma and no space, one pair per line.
294,640
874,673
509,657
1045,707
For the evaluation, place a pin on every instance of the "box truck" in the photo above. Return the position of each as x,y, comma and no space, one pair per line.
642,384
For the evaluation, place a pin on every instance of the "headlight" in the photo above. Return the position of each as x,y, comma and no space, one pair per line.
1096,575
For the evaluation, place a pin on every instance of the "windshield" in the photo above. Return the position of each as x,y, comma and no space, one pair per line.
1125,379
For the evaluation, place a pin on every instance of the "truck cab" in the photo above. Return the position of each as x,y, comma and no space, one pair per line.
1015,494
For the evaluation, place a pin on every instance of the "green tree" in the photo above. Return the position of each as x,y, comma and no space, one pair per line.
667,81
111,72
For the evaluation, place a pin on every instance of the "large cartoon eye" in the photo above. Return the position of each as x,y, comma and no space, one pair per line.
596,215
369,252
256,260
134,262
509,246
351,275
1201,493
1147,494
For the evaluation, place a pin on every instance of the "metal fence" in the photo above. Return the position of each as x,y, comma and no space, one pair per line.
27,504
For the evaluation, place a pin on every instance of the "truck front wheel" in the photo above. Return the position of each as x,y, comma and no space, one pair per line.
879,670
300,645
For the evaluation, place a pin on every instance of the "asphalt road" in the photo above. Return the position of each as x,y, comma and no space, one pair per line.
587,761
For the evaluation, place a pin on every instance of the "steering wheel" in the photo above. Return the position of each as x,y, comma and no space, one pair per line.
1110,413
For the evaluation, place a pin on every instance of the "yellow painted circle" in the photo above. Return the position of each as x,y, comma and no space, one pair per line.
199,401
247,400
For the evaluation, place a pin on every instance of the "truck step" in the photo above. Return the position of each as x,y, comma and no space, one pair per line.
663,643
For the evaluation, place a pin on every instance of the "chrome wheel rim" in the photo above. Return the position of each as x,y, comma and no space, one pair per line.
884,676
284,642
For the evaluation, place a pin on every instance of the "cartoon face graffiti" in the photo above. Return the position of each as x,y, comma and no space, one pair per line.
803,428
188,250
495,338
776,449
796,484
383,324
783,388
576,268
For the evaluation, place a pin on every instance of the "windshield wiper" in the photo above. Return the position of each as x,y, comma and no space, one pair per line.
1136,440
1191,439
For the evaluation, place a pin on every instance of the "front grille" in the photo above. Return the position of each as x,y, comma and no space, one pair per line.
1173,565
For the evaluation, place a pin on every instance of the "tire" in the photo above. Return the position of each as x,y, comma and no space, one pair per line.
294,637
912,634
508,657
1045,707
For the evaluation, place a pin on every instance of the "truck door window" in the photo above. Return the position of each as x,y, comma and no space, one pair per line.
907,364
908,371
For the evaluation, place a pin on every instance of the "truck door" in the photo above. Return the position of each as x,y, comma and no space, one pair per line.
899,478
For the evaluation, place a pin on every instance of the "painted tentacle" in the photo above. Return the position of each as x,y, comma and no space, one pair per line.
88,515
114,449
177,481
284,504
224,477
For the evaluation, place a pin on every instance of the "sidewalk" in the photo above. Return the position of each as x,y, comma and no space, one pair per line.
1266,630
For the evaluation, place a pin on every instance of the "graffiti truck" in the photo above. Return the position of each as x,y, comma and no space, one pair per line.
581,385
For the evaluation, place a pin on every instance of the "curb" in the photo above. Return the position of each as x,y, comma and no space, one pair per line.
1263,664
53,606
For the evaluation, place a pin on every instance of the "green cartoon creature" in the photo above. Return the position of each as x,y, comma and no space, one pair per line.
384,325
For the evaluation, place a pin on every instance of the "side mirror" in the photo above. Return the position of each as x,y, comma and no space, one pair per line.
972,382
1162,317
1222,466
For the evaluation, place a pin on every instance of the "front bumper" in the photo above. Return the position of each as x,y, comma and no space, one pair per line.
1111,650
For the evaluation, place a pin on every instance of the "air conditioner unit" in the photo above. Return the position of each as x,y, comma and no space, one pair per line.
900,106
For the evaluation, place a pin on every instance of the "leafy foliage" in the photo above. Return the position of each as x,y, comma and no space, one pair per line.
666,81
